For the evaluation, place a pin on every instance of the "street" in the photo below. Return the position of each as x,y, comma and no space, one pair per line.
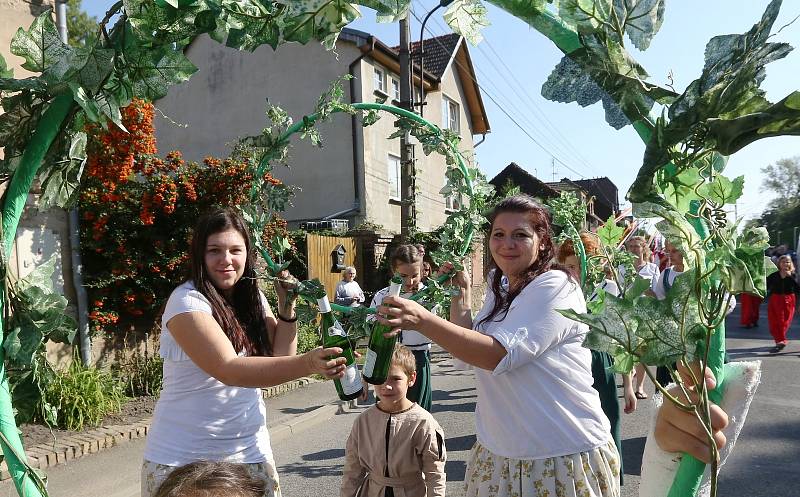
765,462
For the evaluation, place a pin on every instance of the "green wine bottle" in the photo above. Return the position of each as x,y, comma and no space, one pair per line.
379,355
333,335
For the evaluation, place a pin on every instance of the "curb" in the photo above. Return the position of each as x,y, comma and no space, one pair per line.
43,456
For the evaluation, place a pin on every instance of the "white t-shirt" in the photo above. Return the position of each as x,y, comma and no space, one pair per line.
412,339
198,417
539,401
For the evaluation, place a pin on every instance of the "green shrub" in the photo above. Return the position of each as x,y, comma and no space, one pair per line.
141,375
83,396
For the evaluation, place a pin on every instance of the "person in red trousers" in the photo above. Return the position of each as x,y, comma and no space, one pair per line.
782,290
750,305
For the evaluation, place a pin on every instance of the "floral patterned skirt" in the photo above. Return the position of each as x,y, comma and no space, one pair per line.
154,474
588,474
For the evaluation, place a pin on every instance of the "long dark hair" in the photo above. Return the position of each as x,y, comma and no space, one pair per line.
539,218
242,317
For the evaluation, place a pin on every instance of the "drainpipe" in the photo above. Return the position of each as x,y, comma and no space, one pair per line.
483,139
84,343
358,130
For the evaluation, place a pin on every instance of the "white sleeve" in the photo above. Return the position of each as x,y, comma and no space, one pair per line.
533,325
185,299
658,287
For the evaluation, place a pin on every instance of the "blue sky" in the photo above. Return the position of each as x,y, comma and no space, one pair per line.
514,61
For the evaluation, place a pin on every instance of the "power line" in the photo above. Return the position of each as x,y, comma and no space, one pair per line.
524,116
499,106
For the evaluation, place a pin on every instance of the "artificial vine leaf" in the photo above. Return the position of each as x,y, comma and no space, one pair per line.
162,23
609,233
679,189
21,345
676,229
387,10
641,19
61,185
5,71
97,65
722,190
724,109
586,16
40,45
467,18
610,325
602,71
250,24
317,19
729,135
154,70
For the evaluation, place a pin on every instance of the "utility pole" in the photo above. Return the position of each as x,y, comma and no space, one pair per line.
407,202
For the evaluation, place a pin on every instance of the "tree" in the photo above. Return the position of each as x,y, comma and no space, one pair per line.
783,178
80,25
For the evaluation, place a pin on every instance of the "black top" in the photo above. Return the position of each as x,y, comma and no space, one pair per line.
784,286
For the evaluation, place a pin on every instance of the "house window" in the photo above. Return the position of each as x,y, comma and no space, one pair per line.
396,89
380,80
394,176
450,115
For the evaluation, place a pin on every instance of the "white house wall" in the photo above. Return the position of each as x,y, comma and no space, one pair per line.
226,99
430,170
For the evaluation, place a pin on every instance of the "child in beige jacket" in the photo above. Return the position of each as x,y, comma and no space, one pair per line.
395,448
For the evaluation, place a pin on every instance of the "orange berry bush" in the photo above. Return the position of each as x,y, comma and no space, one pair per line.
137,214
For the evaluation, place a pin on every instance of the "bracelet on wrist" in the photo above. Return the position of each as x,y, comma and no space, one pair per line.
286,320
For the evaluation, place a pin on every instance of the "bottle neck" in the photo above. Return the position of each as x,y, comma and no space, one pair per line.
324,305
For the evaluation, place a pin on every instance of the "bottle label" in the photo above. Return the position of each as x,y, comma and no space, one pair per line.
351,383
394,289
336,330
324,305
369,362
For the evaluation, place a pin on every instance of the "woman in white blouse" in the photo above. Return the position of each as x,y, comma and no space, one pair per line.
539,424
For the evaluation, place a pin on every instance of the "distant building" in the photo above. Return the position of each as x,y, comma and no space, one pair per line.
513,175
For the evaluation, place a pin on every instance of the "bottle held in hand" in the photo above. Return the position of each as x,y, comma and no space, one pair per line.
333,335
379,354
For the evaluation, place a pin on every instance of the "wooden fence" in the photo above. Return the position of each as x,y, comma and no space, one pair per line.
320,252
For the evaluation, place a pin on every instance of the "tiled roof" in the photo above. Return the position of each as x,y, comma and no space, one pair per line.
526,182
437,52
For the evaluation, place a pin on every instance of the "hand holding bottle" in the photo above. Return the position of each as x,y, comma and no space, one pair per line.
319,362
399,313
460,279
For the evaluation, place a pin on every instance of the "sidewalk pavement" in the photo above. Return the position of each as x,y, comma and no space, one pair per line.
291,408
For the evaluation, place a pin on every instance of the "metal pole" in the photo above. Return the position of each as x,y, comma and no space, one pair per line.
794,239
84,342
407,221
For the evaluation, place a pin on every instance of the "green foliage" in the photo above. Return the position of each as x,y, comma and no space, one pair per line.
142,374
82,396
37,315
80,25
783,178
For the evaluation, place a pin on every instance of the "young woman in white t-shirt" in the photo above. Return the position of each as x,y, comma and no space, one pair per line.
221,343
540,428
